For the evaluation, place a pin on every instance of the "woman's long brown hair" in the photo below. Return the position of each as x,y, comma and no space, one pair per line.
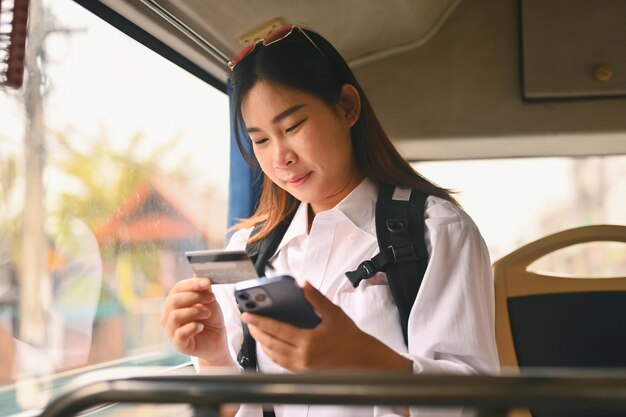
294,63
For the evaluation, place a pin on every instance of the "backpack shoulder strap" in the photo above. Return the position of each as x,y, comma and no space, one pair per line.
260,252
403,254
400,228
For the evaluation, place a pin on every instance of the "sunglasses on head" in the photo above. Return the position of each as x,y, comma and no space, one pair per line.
273,37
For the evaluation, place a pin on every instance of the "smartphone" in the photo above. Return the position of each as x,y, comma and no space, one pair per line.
277,297
222,267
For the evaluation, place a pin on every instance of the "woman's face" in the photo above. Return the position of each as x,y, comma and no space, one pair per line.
302,144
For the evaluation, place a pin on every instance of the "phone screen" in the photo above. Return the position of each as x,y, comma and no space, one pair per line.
222,267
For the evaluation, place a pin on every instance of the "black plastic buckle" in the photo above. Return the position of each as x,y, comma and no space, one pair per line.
364,271
245,362
404,253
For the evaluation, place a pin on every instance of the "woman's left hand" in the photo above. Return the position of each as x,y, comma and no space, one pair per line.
333,344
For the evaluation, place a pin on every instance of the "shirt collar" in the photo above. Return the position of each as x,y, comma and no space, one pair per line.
359,207
298,226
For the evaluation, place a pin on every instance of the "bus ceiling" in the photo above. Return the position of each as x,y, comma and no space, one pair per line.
450,79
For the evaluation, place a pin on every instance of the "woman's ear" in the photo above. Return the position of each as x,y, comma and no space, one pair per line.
350,104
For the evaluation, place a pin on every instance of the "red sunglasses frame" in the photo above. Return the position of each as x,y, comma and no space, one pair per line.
271,38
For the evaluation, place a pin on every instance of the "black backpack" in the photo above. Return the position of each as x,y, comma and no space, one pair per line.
403,255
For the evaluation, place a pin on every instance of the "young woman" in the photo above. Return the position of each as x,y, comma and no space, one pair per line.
324,154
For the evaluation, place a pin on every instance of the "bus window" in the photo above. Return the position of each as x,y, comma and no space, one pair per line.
516,201
113,163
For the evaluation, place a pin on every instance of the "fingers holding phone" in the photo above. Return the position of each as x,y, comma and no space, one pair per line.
333,342
277,315
282,320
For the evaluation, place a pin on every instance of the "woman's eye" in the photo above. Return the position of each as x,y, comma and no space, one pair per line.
260,141
294,127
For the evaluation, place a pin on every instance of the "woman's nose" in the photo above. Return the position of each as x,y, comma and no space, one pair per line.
284,156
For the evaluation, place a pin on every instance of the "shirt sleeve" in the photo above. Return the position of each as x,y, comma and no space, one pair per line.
452,323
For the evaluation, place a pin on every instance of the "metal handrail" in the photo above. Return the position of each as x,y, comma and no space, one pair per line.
598,392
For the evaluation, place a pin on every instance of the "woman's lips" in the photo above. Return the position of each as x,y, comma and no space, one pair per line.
299,179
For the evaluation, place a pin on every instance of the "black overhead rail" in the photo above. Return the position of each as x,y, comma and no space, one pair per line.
491,395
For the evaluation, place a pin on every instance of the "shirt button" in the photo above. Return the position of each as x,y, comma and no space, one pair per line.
351,236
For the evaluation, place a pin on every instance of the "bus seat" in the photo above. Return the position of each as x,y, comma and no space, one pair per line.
548,321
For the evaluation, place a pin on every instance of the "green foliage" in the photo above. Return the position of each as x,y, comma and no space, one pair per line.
102,179
106,176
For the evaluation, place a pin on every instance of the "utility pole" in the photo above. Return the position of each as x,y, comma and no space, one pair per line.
34,274
35,286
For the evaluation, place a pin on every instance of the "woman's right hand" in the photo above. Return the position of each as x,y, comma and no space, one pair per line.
194,322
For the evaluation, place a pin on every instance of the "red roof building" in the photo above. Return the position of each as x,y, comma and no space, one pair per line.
163,210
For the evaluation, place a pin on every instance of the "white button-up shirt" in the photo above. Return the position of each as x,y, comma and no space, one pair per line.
451,325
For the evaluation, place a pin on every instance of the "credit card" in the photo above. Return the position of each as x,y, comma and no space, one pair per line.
222,267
